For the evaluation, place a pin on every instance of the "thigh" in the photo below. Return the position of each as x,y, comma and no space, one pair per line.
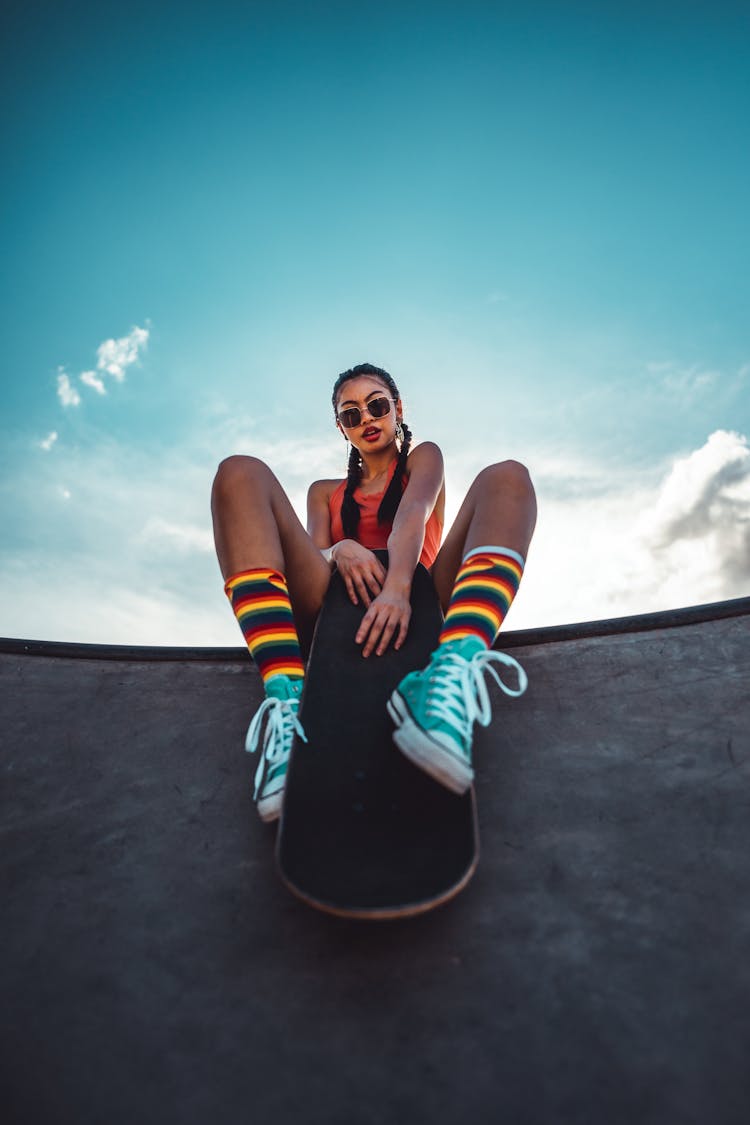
255,525
499,509
306,571
450,556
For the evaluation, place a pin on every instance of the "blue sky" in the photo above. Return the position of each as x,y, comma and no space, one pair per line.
534,216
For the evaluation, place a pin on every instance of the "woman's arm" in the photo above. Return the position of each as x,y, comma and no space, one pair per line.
362,572
426,478
318,516
388,616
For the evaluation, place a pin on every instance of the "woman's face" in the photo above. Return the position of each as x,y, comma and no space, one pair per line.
370,433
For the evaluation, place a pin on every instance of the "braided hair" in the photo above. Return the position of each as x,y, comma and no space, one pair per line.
392,498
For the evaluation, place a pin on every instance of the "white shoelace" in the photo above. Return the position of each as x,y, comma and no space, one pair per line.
281,723
458,695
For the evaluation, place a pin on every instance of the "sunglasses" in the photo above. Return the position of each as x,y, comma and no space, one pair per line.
376,408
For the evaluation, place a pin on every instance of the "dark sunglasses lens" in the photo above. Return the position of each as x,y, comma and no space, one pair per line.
350,417
379,407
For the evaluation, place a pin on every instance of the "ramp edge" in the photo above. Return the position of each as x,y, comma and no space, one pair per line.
519,638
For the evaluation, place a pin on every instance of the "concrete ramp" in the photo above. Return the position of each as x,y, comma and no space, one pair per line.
597,969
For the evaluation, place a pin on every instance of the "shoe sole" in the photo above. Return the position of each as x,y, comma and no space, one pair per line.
430,756
269,808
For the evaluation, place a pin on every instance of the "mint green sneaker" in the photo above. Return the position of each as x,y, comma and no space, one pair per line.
435,710
279,710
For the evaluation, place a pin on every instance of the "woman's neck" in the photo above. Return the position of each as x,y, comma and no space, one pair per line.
376,465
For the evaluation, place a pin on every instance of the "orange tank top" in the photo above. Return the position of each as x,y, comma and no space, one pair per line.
374,535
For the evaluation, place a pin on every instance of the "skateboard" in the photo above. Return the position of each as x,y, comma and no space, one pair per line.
364,833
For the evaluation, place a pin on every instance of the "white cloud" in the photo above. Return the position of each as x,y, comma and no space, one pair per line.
296,461
91,379
47,443
697,494
685,383
182,537
115,356
641,543
149,615
703,507
584,562
66,392
610,541
105,528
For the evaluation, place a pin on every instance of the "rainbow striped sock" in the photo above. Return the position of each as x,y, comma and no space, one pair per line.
485,586
260,600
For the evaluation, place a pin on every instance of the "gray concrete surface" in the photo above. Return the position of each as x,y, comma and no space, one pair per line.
597,969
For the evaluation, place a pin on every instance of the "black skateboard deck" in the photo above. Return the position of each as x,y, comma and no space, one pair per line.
364,833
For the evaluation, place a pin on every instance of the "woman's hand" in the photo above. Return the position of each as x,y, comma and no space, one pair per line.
387,616
361,570
388,608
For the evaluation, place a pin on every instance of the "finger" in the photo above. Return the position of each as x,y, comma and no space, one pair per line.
403,628
364,627
375,567
350,588
371,635
385,637
381,631
372,640
364,593
373,583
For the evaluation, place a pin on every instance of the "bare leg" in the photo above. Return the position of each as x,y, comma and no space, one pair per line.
499,510
255,525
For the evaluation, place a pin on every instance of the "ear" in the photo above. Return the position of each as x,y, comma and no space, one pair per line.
399,410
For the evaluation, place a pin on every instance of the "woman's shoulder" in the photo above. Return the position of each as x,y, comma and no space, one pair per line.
430,447
427,453
321,491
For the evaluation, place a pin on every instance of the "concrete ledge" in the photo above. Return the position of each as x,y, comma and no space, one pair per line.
637,623
155,970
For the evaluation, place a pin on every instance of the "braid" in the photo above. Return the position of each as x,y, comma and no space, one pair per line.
390,502
349,506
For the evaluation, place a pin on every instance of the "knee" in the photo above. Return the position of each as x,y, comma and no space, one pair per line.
508,477
237,472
